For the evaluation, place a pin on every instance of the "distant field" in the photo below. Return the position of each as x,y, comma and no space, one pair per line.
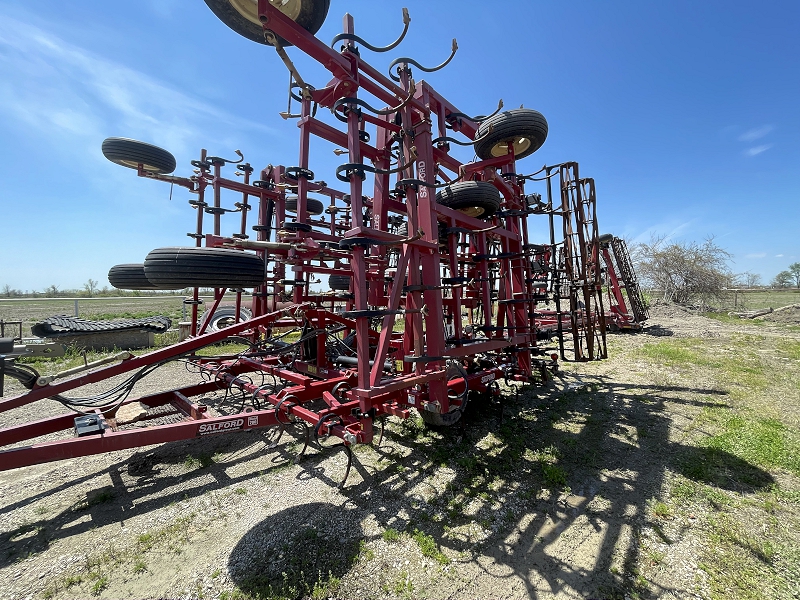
750,299
755,299
33,310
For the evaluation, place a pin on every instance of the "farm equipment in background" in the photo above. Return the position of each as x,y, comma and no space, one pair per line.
436,292
621,276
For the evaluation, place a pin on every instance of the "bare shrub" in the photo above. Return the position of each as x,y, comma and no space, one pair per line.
686,272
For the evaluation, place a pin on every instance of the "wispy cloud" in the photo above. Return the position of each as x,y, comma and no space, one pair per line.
57,87
756,133
756,255
779,256
673,230
757,149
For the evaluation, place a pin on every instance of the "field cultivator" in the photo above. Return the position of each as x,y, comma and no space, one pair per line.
436,291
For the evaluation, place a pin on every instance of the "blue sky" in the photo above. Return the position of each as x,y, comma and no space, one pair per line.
685,113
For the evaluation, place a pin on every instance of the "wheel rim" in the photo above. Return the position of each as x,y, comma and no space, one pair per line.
249,8
472,211
135,165
520,146
223,322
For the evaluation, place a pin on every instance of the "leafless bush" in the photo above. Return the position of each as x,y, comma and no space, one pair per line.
686,272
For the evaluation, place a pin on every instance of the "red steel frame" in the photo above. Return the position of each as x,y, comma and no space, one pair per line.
502,296
621,316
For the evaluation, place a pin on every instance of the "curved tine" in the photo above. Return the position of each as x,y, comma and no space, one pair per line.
411,61
477,119
467,143
274,443
382,111
368,46
349,453
413,238
233,162
383,429
302,452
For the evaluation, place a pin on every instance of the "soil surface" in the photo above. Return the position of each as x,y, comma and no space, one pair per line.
549,494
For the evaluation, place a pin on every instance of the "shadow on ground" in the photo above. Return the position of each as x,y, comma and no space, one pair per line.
539,498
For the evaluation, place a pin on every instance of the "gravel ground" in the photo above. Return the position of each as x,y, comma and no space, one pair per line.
549,495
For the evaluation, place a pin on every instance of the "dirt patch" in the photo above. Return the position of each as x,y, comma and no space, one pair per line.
789,315
563,491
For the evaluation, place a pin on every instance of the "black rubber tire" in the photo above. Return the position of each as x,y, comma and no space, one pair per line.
177,268
435,420
311,16
130,277
132,153
606,238
223,317
339,283
314,206
528,127
474,198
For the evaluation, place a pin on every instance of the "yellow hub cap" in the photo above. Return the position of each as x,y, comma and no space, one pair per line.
472,211
249,8
520,146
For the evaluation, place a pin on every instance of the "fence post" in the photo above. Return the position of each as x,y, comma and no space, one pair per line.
76,307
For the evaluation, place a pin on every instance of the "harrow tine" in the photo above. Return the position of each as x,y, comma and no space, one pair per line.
306,438
349,453
383,429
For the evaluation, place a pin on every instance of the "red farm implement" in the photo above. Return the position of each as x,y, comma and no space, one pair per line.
436,290
628,310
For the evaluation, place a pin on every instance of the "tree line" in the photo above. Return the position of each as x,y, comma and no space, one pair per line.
697,273
90,289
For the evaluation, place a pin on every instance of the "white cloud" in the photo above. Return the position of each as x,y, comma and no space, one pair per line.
757,150
61,89
752,135
756,255
779,256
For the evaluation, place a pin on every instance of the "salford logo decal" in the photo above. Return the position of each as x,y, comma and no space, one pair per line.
221,427
487,378
422,173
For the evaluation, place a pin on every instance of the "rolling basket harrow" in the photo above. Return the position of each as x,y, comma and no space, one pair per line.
436,291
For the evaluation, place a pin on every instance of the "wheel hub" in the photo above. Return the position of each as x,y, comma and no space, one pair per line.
249,8
472,211
520,146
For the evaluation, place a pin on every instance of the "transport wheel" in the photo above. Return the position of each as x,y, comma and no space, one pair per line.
313,206
473,198
242,15
176,268
340,283
525,127
605,239
132,153
223,317
130,277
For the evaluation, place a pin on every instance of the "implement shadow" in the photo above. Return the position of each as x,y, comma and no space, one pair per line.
553,498
144,482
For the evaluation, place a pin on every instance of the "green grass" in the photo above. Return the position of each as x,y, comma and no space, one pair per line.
671,353
428,547
202,461
724,317
102,496
767,443
790,348
554,476
661,510
391,535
